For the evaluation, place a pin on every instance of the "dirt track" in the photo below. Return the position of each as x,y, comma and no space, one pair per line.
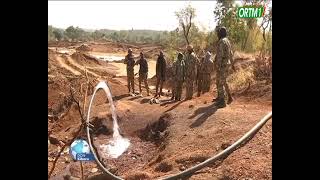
195,130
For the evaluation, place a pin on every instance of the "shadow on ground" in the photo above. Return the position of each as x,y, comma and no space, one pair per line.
205,112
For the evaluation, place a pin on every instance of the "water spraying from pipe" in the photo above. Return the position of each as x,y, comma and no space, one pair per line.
118,144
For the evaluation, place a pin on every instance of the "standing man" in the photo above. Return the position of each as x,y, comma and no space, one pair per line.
130,71
223,60
200,75
160,73
190,61
143,72
206,70
179,76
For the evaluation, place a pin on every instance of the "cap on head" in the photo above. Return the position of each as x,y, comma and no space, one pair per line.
189,47
222,32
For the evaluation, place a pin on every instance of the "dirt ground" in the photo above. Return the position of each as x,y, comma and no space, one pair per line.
165,138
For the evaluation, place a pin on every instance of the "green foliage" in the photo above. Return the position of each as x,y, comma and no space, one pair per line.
76,33
185,17
96,35
198,38
50,33
245,34
225,15
58,33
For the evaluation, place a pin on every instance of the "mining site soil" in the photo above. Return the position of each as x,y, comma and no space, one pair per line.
165,138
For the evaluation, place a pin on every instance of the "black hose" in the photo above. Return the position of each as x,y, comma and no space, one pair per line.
223,153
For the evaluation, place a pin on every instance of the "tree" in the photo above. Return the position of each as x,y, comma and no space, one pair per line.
76,33
221,10
267,22
185,17
211,39
123,35
197,38
97,34
225,15
58,33
50,33
71,33
115,36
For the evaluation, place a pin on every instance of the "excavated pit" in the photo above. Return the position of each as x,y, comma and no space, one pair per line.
144,147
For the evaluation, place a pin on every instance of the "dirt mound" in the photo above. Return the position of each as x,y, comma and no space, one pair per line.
84,47
260,90
85,59
89,57
61,43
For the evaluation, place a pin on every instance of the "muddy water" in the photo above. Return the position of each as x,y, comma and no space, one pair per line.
107,56
122,71
121,68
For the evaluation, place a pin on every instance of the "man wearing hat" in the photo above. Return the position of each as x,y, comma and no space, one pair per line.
206,70
129,61
179,76
224,58
190,61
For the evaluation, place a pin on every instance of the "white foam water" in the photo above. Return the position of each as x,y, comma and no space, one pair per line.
117,145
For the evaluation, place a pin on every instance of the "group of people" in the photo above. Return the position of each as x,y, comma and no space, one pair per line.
188,69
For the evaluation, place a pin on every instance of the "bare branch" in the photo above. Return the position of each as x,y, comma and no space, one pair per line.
78,105
189,26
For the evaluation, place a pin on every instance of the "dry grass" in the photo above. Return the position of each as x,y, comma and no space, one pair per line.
263,68
260,70
241,78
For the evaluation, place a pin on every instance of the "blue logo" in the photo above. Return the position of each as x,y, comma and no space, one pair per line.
80,151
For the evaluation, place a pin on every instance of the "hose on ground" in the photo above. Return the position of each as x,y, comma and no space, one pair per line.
223,153
192,170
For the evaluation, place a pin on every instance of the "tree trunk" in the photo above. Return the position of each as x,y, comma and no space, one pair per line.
186,37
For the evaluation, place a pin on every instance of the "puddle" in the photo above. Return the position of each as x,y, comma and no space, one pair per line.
107,57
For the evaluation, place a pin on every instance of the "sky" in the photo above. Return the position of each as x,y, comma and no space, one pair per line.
124,15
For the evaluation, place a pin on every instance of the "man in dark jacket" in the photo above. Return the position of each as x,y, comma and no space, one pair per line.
223,60
143,72
160,73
